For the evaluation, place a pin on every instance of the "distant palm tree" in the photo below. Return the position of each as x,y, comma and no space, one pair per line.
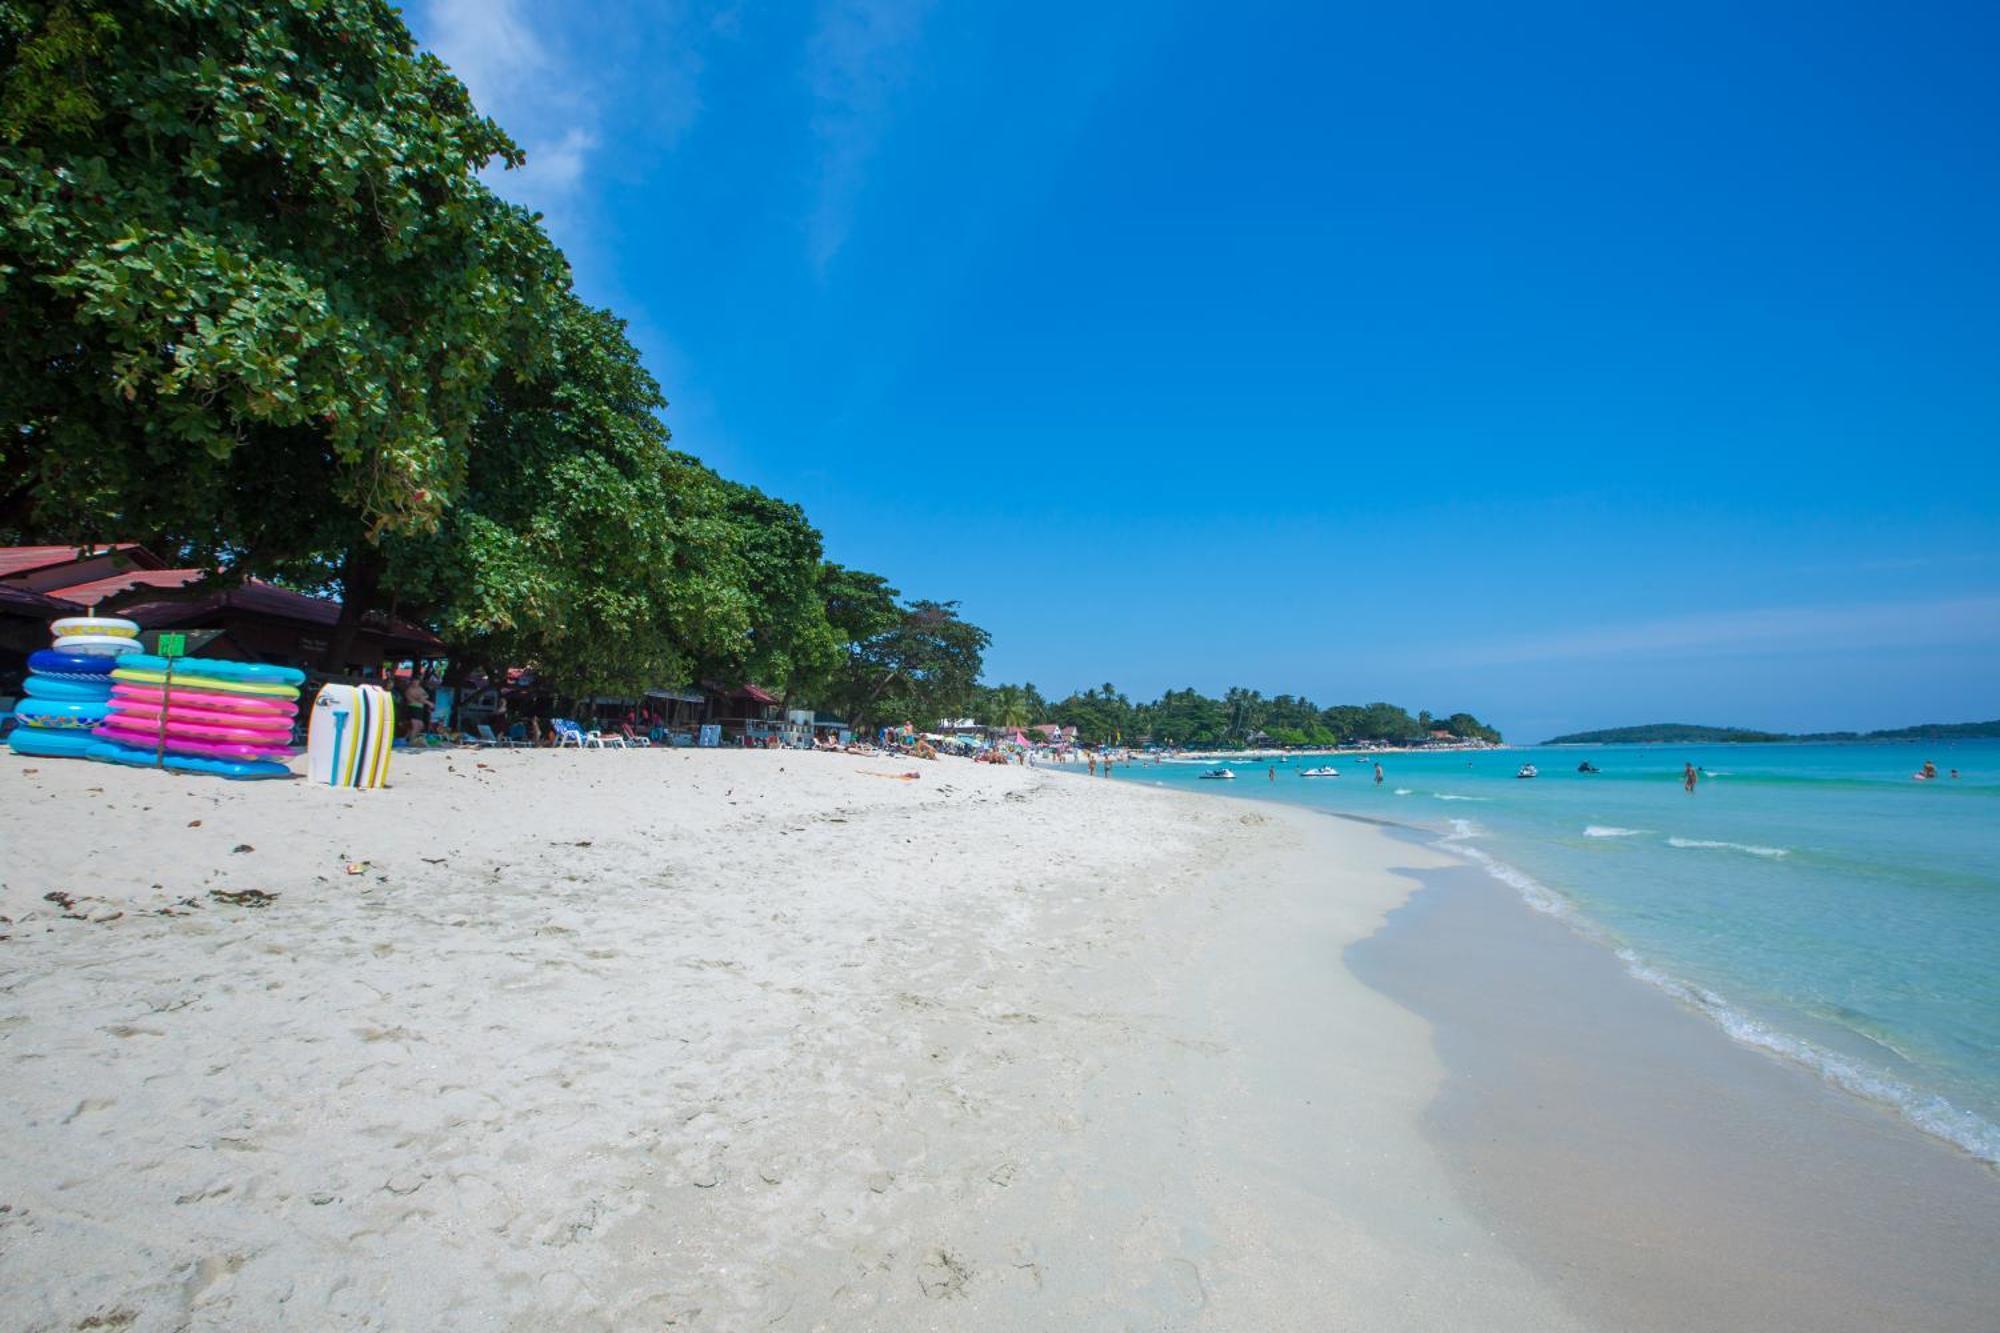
1010,707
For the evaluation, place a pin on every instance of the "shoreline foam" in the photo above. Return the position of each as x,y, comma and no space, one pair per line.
1926,1111
1666,1179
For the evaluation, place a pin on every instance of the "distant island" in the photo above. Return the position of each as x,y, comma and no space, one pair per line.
1660,733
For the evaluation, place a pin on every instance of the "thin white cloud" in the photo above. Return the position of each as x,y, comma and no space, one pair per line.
487,45
565,80
516,76
859,57
1866,625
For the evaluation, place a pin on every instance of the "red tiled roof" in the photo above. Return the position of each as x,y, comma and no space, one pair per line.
755,695
84,594
26,559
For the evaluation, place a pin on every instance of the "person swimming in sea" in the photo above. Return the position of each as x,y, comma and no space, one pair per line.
1930,771
1689,776
1378,775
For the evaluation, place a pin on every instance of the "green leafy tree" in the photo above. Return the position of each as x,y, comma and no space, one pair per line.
790,646
581,542
923,668
858,605
252,292
1101,716
1467,727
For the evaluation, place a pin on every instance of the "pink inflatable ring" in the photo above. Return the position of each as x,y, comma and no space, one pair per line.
146,740
212,699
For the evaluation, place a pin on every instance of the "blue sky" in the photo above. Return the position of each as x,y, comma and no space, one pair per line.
1569,366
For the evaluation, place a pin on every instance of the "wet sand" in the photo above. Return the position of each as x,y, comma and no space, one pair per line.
1655,1173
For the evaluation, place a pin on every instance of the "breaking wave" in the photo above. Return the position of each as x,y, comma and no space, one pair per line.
1927,1111
1711,844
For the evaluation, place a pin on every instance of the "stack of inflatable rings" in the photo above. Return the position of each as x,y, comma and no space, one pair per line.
69,693
206,715
96,636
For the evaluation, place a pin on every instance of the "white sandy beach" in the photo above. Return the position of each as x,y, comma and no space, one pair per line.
710,1040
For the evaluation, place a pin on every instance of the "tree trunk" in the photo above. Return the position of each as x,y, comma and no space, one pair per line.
360,581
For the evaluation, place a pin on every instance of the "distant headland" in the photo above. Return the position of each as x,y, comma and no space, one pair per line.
1657,733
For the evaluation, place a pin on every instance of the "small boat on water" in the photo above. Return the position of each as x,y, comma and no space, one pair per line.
1218,775
1528,771
1320,773
1587,767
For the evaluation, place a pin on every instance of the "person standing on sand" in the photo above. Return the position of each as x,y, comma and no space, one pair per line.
1093,765
417,705
1689,776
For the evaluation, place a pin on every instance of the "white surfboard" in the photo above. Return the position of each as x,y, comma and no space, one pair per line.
348,739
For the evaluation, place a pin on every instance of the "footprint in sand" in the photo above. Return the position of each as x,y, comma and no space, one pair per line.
944,1276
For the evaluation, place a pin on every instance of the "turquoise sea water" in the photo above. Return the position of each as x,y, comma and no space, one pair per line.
1813,899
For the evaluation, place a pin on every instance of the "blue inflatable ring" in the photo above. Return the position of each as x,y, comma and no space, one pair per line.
52,744
61,714
215,668
109,752
70,664
95,689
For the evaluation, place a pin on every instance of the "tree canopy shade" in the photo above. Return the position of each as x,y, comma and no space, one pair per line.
252,292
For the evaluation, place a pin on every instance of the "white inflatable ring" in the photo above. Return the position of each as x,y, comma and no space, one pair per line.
97,645
109,625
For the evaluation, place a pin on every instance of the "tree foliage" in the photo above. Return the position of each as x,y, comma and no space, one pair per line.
1102,715
252,292
787,644
923,666
581,542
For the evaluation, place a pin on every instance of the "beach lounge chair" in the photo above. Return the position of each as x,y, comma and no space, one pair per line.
634,738
485,738
569,733
604,738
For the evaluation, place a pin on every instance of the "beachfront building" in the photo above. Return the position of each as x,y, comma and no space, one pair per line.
24,627
678,711
748,714
87,575
255,621
40,583
249,620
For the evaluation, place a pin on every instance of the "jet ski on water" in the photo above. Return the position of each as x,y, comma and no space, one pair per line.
1218,775
1320,773
1587,767
1528,771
